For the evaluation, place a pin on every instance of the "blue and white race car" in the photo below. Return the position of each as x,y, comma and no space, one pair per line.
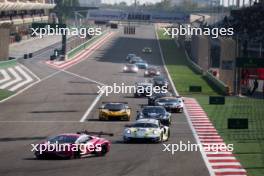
146,130
141,64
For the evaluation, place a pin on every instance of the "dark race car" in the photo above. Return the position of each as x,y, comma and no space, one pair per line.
135,59
154,96
160,81
155,112
73,145
147,50
130,56
152,71
143,89
171,104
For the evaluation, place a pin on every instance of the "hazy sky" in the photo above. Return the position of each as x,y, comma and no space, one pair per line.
154,1
129,1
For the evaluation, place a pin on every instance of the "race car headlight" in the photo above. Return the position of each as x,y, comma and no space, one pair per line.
125,68
175,105
128,131
155,132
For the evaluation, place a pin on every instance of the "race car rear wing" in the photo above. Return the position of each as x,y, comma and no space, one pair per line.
99,134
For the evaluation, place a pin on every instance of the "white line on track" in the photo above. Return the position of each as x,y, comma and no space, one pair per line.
83,77
211,172
88,111
39,80
21,84
31,85
6,76
24,67
15,75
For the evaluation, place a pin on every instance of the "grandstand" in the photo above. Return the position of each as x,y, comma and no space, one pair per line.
220,56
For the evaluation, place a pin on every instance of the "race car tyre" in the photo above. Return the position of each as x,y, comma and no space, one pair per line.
40,157
161,138
103,151
168,134
76,155
181,110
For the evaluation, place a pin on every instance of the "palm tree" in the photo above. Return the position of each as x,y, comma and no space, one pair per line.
65,9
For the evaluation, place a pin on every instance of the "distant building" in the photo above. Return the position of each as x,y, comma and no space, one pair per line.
90,3
200,3
16,16
19,14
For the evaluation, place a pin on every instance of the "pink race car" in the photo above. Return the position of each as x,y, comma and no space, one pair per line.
73,145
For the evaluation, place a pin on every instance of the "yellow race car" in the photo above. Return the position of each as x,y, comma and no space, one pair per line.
114,111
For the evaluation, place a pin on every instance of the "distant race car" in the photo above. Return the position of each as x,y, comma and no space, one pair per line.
171,104
141,64
130,56
152,71
135,59
114,111
143,89
147,50
73,145
154,96
130,68
146,129
155,112
160,81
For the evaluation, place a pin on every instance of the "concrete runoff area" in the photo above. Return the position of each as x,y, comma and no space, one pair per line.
57,103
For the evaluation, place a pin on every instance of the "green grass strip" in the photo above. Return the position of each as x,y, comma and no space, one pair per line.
6,64
248,144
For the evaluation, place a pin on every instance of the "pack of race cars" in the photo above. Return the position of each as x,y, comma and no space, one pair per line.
152,120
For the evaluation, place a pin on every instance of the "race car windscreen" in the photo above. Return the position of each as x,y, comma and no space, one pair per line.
167,100
153,110
144,125
114,106
62,139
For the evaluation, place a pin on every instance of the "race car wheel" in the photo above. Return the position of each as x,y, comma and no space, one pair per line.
168,134
181,110
39,157
76,155
103,151
161,137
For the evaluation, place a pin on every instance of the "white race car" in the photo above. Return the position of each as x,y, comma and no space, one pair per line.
146,130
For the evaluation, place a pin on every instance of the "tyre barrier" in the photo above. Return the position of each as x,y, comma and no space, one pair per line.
130,30
25,56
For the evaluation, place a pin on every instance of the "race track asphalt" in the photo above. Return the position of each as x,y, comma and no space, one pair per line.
58,103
